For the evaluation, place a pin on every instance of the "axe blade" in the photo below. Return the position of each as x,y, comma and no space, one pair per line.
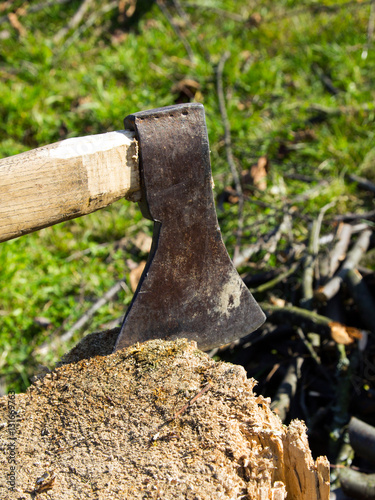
189,287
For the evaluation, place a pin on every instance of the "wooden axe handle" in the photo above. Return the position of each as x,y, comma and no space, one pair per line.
65,180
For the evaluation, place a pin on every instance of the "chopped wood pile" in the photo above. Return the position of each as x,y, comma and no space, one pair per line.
315,355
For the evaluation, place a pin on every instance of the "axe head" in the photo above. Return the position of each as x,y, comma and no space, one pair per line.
189,287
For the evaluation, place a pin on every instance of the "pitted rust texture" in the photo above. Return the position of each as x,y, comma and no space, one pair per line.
189,287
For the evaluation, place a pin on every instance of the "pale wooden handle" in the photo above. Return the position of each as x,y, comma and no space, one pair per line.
65,180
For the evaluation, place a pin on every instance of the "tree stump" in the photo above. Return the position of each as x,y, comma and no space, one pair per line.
159,420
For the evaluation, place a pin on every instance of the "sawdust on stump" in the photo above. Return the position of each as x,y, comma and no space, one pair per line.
158,420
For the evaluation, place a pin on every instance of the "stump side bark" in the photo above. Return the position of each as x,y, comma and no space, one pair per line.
156,420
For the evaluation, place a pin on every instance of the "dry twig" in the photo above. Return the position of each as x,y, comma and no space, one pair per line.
74,21
309,193
92,19
313,354
370,30
228,148
287,390
340,110
30,9
192,400
267,242
220,12
15,22
178,413
109,295
355,216
313,249
362,297
281,277
296,313
361,181
176,29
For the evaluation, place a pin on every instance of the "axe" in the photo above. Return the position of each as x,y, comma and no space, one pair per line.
189,287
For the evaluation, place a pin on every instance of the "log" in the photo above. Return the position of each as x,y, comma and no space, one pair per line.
340,249
353,257
66,180
362,297
362,438
357,484
155,420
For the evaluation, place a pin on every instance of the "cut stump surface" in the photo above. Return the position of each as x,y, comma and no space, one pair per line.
158,420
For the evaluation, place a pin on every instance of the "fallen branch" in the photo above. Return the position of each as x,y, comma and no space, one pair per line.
314,8
334,309
362,439
342,397
294,313
30,9
362,182
287,390
228,147
176,29
330,262
355,216
267,242
190,28
357,485
220,12
339,251
87,251
74,21
313,355
309,193
340,110
354,256
362,297
328,238
370,30
313,250
300,177
252,281
109,295
107,7
325,79
273,282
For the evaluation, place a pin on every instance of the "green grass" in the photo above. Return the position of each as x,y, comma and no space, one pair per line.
89,82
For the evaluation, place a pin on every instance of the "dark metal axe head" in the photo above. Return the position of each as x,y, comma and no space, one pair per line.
189,287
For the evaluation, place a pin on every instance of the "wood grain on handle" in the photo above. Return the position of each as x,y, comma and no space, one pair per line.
65,180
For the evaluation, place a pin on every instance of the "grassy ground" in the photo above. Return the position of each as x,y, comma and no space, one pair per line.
298,86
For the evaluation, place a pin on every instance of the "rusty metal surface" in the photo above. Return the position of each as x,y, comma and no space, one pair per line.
189,287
